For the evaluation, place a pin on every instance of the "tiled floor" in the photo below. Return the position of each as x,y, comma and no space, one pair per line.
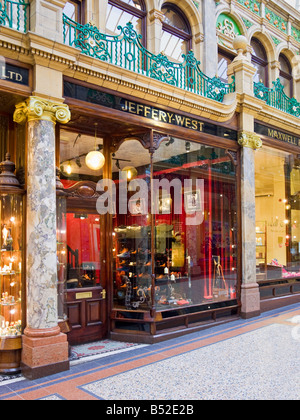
244,359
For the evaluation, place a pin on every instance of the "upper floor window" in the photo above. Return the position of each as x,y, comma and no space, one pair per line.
285,75
177,35
120,12
224,59
260,62
74,10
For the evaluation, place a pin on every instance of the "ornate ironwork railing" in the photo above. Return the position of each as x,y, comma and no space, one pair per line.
15,14
126,50
277,98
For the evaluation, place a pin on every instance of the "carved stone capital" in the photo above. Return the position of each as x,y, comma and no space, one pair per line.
35,108
248,139
156,14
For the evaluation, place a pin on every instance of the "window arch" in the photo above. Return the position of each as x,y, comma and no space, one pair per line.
177,35
285,75
120,12
260,61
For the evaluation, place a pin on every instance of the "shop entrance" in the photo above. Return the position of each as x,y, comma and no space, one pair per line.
85,288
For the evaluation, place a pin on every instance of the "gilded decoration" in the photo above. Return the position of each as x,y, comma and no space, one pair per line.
251,140
39,109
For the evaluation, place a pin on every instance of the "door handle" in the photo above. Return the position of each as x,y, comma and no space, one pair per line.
103,294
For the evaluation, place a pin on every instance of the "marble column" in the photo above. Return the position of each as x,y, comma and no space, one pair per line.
250,296
45,348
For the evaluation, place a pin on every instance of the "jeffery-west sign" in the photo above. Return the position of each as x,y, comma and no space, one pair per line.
83,93
12,73
277,134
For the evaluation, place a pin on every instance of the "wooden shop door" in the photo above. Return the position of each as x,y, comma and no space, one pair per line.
86,292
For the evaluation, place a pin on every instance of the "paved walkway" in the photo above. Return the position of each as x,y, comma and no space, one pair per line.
245,359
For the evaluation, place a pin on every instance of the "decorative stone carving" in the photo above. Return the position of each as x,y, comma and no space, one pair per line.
35,108
251,140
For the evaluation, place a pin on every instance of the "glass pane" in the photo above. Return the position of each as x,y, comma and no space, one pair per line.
277,185
223,67
173,46
61,237
83,249
74,148
117,17
287,86
260,75
258,50
284,64
132,264
133,3
70,10
11,266
195,225
173,18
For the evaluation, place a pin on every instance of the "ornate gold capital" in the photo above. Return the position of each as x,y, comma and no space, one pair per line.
35,108
248,139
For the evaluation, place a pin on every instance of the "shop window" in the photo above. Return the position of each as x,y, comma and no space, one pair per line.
183,230
176,38
285,75
120,12
224,59
260,62
74,148
277,191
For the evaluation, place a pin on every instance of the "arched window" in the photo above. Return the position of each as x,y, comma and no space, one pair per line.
260,62
177,35
120,12
285,75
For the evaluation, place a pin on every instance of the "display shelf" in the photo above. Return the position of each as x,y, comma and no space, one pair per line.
261,242
11,263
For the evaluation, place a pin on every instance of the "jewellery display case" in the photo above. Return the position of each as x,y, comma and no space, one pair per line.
11,268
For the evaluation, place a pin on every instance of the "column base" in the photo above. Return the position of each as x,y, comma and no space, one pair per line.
45,352
250,300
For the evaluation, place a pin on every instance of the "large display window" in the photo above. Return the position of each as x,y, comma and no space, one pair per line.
181,229
277,191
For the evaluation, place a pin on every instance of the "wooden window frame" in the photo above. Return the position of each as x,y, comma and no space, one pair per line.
187,37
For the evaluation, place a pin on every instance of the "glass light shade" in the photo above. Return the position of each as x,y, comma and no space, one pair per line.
131,172
95,160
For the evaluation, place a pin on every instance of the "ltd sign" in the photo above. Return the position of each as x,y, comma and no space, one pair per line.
13,73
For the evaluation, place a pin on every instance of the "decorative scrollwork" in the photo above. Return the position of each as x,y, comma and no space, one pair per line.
127,51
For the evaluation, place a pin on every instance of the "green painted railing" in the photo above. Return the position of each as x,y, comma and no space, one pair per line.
15,14
126,50
277,98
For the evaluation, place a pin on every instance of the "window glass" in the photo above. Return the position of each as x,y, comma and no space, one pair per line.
119,14
118,17
132,264
183,229
286,75
173,18
195,225
176,37
277,191
223,63
259,60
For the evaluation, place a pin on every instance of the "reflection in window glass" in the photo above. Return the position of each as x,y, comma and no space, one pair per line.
173,46
259,61
195,247
277,191
132,264
117,17
285,75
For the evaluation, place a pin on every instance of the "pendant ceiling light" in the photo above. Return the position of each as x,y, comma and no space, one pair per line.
95,160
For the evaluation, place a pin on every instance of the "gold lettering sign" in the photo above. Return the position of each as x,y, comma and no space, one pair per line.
162,116
84,295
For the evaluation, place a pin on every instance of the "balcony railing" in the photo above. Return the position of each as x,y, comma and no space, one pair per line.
126,50
277,98
15,14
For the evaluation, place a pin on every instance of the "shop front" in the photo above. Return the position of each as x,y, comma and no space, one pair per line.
148,242
277,186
